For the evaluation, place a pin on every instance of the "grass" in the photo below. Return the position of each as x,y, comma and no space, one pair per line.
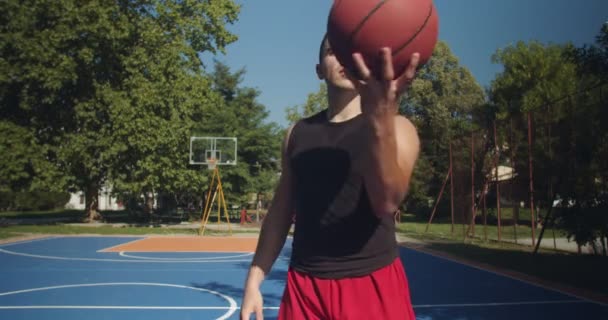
122,216
442,229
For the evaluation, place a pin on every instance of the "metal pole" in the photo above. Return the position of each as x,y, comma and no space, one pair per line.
512,162
451,187
497,181
438,199
473,211
551,196
485,220
532,222
542,230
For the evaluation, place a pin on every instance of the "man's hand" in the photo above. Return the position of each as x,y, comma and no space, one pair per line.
252,303
380,92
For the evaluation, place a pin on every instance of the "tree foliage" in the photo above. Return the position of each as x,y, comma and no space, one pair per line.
443,102
315,102
560,87
239,114
584,139
110,88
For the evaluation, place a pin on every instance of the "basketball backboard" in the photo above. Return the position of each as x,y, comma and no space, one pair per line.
206,150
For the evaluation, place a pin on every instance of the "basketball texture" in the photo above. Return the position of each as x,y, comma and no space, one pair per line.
365,26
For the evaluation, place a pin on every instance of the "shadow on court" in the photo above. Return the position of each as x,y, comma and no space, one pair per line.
508,312
578,271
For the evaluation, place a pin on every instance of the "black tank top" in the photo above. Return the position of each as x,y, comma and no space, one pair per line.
336,233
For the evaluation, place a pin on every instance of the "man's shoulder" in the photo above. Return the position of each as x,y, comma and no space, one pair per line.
405,124
303,126
407,135
315,117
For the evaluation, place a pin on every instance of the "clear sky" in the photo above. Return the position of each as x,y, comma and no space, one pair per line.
279,39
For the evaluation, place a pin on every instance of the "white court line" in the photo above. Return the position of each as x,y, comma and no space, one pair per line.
28,241
117,260
120,244
456,305
122,253
230,309
507,276
115,307
68,269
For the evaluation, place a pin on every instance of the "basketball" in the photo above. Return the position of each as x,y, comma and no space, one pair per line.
365,26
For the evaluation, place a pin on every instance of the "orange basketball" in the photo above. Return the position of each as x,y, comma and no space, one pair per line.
365,26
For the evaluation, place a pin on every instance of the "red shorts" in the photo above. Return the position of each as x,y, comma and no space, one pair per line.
383,294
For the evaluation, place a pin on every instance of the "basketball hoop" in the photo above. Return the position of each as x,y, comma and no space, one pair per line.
211,163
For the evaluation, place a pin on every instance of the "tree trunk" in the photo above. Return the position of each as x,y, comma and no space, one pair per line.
92,203
594,247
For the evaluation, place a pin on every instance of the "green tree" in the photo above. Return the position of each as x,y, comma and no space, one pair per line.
560,87
23,163
25,170
534,77
442,102
593,59
240,115
534,80
110,87
584,140
315,102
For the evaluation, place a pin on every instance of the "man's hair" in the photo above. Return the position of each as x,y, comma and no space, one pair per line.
323,47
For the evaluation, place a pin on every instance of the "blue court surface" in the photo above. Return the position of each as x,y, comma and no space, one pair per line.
65,278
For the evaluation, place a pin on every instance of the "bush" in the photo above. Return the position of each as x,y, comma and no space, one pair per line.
34,200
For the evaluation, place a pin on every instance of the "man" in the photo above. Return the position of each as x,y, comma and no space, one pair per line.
345,172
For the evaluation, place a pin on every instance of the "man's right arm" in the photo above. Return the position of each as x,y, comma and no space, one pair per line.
276,224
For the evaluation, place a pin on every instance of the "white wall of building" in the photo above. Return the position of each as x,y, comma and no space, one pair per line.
106,201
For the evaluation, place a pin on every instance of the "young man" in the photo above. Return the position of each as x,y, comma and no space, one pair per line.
345,172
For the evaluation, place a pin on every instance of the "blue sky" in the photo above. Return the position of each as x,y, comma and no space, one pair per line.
279,39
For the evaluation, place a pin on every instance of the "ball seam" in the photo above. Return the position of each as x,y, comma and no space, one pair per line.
367,17
426,21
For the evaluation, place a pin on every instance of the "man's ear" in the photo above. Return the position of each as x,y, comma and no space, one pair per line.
320,74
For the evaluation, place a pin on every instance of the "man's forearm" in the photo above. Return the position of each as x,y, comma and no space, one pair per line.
255,277
275,227
272,238
384,178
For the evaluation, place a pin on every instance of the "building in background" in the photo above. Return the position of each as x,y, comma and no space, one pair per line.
106,201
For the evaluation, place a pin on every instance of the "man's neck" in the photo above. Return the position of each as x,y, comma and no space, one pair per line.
343,104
